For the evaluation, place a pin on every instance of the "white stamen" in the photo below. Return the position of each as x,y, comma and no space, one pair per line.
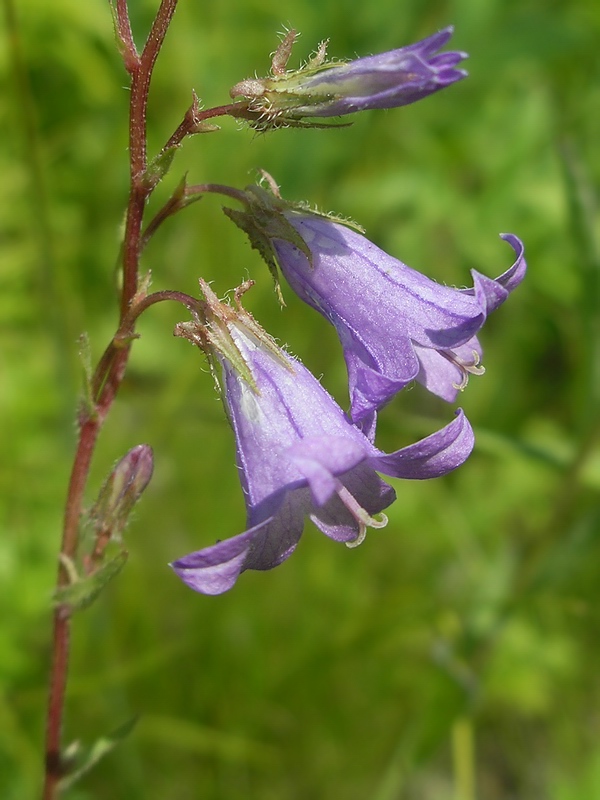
465,368
364,519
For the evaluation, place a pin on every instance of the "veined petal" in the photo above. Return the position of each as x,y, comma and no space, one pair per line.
492,293
337,518
276,540
388,315
433,456
299,456
445,373
215,569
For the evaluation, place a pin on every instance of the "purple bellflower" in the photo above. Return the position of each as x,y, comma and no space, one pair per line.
330,89
395,325
297,453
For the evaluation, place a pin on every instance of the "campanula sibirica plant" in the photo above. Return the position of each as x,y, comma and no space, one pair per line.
300,455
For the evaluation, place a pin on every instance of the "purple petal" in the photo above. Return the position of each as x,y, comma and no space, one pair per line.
368,490
267,544
319,459
386,80
215,569
387,314
491,293
276,540
431,44
433,456
441,375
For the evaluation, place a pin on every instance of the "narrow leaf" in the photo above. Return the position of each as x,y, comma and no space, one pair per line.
98,750
82,592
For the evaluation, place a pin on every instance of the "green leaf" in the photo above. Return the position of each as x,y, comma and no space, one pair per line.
89,758
82,592
85,357
159,167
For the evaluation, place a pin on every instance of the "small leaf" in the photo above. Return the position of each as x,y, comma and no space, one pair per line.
159,167
205,127
85,356
101,747
82,591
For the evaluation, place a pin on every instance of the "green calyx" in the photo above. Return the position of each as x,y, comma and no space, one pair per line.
213,334
264,221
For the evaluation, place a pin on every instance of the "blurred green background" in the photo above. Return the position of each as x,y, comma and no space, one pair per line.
456,654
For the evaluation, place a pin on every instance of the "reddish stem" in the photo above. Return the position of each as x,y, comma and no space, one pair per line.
125,36
194,117
182,197
216,188
123,337
139,191
109,372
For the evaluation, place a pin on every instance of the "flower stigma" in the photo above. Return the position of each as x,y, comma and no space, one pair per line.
466,368
364,519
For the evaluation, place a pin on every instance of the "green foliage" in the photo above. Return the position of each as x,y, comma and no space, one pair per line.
81,592
474,614
83,760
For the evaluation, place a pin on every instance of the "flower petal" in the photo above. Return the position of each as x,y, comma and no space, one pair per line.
368,491
275,541
491,293
433,456
215,569
320,459
441,374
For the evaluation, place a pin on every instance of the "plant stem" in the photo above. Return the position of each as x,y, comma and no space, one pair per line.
139,190
463,758
60,661
183,197
109,372
194,118
216,188
126,333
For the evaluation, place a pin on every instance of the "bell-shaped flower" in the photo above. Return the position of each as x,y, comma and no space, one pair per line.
297,453
330,89
395,325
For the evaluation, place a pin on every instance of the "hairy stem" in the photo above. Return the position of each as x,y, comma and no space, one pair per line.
184,196
194,117
139,190
126,333
109,372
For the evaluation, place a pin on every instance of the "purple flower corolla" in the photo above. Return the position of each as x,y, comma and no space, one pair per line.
387,80
330,89
299,456
395,325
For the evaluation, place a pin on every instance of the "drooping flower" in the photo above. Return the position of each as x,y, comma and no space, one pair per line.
330,89
395,325
297,453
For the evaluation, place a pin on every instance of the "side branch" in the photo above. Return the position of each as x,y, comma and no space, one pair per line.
125,36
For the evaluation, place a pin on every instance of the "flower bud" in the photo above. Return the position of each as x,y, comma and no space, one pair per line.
121,491
330,89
